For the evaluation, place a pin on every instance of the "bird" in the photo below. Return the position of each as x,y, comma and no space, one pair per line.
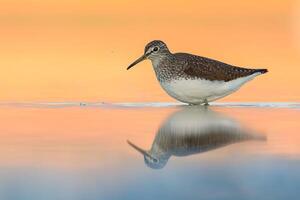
194,79
194,130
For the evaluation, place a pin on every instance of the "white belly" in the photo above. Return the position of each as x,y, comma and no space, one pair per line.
198,90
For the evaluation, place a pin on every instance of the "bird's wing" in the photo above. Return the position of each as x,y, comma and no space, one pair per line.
201,67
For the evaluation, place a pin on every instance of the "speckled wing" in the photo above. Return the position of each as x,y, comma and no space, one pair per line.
209,69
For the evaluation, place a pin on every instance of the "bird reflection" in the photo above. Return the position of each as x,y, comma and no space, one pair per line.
192,130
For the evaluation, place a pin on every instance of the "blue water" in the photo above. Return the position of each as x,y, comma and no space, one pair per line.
227,151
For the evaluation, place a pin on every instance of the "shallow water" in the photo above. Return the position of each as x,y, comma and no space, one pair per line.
80,151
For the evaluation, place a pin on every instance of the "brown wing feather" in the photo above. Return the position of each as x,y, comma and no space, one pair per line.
201,67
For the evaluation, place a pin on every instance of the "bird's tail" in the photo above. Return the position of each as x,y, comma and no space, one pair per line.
262,71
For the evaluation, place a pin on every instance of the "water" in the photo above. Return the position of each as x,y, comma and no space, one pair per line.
81,151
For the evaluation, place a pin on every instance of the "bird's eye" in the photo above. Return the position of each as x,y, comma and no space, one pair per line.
155,49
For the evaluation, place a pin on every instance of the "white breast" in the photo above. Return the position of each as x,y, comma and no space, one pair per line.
196,91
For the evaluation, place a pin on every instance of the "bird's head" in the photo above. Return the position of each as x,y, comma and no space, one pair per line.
150,160
153,50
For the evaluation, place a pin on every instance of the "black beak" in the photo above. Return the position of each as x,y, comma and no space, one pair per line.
143,57
142,151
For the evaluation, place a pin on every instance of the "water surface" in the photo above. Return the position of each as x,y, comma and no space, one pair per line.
149,151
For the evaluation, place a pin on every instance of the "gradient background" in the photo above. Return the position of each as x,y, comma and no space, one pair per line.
78,50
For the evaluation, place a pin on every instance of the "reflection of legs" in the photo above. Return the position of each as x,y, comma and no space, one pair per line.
206,102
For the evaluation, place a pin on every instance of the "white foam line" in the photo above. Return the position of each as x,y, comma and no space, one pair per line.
142,105
295,105
260,104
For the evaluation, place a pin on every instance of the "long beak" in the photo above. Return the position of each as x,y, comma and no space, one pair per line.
142,151
143,57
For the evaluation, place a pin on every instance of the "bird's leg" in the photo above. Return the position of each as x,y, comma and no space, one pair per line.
206,102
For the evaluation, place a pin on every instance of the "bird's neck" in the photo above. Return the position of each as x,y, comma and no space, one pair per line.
163,67
158,60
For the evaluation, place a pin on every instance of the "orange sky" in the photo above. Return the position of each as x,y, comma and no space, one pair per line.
79,50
